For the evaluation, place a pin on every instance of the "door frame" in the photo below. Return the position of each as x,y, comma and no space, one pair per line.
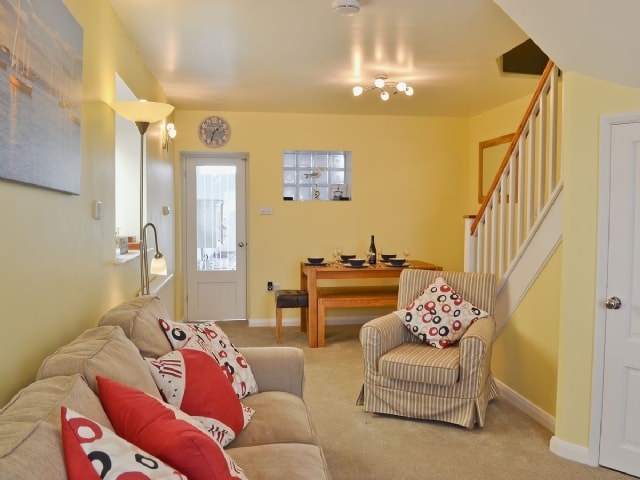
607,122
184,158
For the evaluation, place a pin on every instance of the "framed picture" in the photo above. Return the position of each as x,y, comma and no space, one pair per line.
40,94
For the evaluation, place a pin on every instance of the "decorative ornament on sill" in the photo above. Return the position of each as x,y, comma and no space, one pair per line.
385,86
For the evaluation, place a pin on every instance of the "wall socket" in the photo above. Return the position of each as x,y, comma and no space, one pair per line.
269,286
273,286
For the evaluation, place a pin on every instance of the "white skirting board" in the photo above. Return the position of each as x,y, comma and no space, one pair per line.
526,407
570,451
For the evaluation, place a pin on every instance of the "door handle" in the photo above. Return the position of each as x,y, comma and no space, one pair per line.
241,244
613,303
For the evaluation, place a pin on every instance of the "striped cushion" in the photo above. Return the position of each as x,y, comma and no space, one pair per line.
420,363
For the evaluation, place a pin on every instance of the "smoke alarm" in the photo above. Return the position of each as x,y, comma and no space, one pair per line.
346,7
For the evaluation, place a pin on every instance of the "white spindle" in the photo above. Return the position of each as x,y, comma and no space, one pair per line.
521,175
542,151
553,126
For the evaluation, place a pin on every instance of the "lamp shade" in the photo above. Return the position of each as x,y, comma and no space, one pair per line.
158,265
142,111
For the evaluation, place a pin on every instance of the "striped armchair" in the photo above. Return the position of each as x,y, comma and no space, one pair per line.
407,378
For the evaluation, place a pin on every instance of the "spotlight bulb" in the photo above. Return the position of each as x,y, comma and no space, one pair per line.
409,91
384,96
357,91
401,86
379,82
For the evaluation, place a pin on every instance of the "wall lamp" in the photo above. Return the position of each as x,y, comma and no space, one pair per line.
168,136
158,263
383,84
143,113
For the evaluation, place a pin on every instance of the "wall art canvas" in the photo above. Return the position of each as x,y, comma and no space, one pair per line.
40,94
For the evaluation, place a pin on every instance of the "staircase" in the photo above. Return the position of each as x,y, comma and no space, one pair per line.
519,224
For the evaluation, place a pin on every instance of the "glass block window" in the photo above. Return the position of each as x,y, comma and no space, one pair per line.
316,175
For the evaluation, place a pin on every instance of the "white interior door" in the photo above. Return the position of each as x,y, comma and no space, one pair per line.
215,238
620,429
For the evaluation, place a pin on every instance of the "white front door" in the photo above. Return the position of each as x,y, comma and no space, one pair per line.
620,427
215,238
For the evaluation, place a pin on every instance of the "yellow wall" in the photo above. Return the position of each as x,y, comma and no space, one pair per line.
493,123
409,189
525,355
585,101
58,272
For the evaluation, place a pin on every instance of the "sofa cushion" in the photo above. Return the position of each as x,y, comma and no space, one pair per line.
93,452
414,362
102,351
279,417
439,316
166,433
192,381
138,318
282,460
30,426
210,338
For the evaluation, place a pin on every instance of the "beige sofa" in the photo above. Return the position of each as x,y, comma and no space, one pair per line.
280,441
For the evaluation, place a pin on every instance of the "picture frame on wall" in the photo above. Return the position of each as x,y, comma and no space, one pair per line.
40,94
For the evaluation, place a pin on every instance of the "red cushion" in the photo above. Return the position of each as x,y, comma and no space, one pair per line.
92,452
194,382
153,426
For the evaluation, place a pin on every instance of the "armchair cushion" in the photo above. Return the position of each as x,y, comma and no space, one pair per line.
414,362
439,316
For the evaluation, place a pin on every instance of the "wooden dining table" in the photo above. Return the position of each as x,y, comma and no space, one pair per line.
311,275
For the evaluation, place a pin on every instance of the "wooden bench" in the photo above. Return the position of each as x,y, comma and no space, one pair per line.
353,297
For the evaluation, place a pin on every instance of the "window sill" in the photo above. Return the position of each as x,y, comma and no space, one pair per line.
126,257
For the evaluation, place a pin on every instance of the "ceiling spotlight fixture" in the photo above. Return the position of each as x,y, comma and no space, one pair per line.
383,84
346,7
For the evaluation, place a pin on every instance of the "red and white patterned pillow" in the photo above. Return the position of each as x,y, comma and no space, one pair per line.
209,337
439,316
92,452
192,381
165,432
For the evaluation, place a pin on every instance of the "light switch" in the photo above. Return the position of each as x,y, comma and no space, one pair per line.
97,210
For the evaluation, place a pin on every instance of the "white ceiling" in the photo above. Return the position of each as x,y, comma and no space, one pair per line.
300,56
598,38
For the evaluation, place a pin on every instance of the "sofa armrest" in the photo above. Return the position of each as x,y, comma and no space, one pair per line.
276,368
475,352
379,336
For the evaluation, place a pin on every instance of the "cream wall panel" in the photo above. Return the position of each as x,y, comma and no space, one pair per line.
585,101
525,355
58,272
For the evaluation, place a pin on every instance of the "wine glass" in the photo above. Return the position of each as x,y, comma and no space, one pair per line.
406,252
337,255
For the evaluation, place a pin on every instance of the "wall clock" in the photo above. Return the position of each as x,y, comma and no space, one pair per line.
214,131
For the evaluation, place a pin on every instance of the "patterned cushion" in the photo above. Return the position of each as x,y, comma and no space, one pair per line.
209,337
94,452
166,432
439,316
192,381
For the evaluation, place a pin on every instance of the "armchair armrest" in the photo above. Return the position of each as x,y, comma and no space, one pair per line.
276,368
380,335
475,353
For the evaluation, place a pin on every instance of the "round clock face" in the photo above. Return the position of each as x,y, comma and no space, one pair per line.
214,131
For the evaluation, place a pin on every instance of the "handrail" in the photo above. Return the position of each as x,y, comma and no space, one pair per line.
516,138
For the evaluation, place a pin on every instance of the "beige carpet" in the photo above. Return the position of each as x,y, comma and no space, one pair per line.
363,446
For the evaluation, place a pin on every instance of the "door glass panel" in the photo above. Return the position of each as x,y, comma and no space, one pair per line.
216,217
